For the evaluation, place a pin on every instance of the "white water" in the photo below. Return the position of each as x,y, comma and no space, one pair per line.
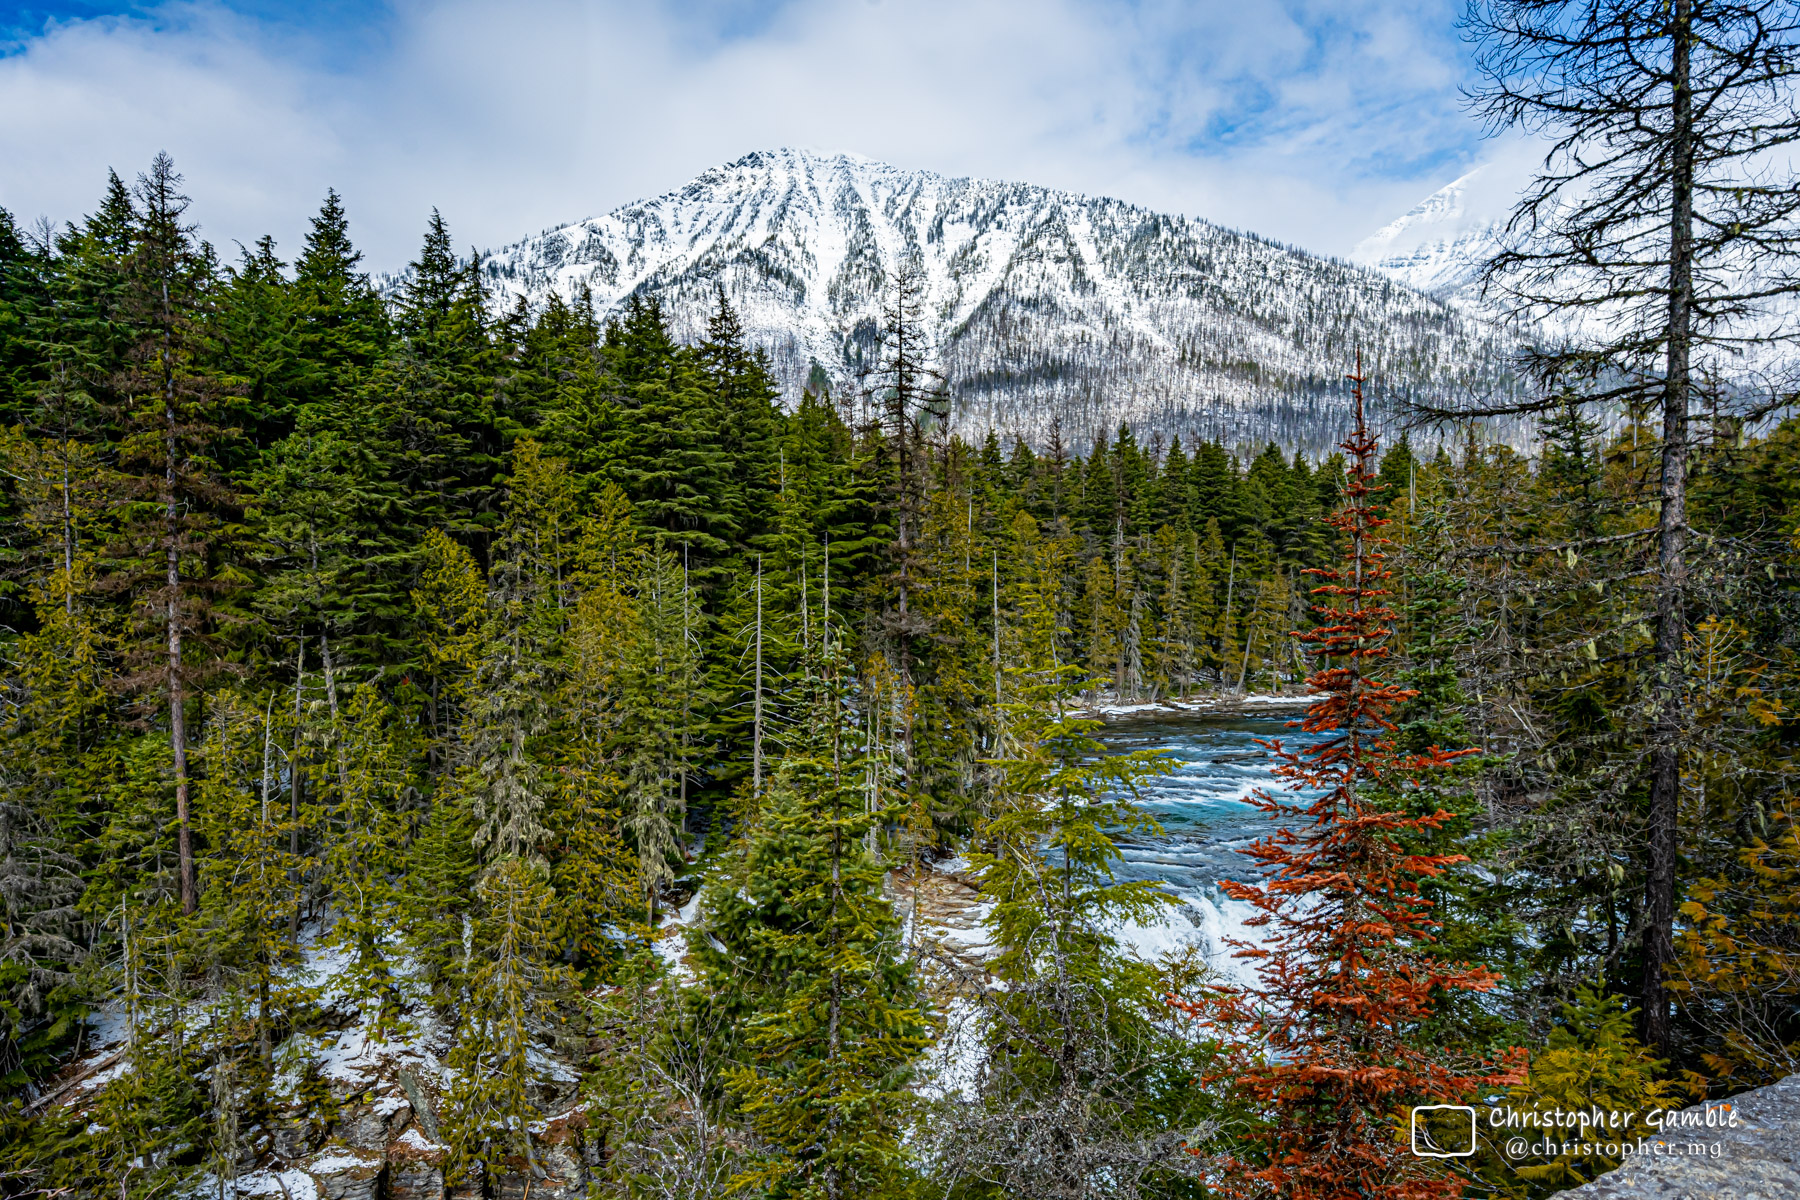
1207,821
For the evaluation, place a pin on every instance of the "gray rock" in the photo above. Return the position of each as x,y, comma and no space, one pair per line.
1755,1157
421,1103
294,1139
415,1181
470,1188
352,1176
565,1175
361,1127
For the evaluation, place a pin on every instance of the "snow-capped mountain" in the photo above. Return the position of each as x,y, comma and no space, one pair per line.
1443,243
1440,245
1041,304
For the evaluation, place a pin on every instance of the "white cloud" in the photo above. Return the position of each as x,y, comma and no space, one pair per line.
1307,121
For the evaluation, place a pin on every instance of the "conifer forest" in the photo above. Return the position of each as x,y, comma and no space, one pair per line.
453,748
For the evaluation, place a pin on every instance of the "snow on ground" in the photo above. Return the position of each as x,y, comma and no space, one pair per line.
291,1184
951,1064
1222,704
100,1079
108,1027
671,941
333,1164
350,1055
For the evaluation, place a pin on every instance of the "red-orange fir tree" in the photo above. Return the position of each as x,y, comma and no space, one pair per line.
1328,1047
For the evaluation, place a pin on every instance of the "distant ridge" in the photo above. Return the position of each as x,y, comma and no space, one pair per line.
1042,304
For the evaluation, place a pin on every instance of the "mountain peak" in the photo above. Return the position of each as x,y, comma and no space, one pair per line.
1442,243
1040,305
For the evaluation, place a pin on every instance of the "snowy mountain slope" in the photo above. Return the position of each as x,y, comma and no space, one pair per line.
1041,304
1440,245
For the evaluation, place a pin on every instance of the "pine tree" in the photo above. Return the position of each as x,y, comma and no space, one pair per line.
747,424
53,754
594,871
1591,1064
1655,207
431,404
1085,1086
669,457
661,688
1331,1043
513,982
16,283
258,345
341,327
248,881
365,832
451,605
177,505
954,678
799,938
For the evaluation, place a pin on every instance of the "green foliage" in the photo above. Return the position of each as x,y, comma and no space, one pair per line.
1591,1063
440,639
514,986
797,936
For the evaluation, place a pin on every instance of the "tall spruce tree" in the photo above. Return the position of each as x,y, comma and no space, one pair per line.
797,936
177,514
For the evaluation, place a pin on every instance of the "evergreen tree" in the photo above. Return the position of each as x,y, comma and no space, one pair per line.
177,515
1085,1086
16,283
430,405
798,937
1656,207
661,688
341,327
669,457
1330,1043
258,346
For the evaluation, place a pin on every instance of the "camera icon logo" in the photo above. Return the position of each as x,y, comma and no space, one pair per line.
1443,1130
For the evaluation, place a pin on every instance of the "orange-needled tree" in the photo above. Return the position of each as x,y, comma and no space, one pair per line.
1329,1046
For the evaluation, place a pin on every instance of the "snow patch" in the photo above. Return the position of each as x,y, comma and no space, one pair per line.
952,1065
290,1184
337,1164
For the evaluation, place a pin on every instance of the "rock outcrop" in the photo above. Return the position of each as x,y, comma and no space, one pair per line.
1744,1148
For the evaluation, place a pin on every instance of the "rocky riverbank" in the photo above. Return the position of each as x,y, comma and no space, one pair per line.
1744,1148
1216,704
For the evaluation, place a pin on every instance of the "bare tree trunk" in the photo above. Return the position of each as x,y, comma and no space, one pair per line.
264,1048
1225,621
68,529
756,739
1669,700
1249,636
686,683
184,848
833,1185
999,718
294,784
337,734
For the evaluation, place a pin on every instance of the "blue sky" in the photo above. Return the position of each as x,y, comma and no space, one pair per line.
1312,121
